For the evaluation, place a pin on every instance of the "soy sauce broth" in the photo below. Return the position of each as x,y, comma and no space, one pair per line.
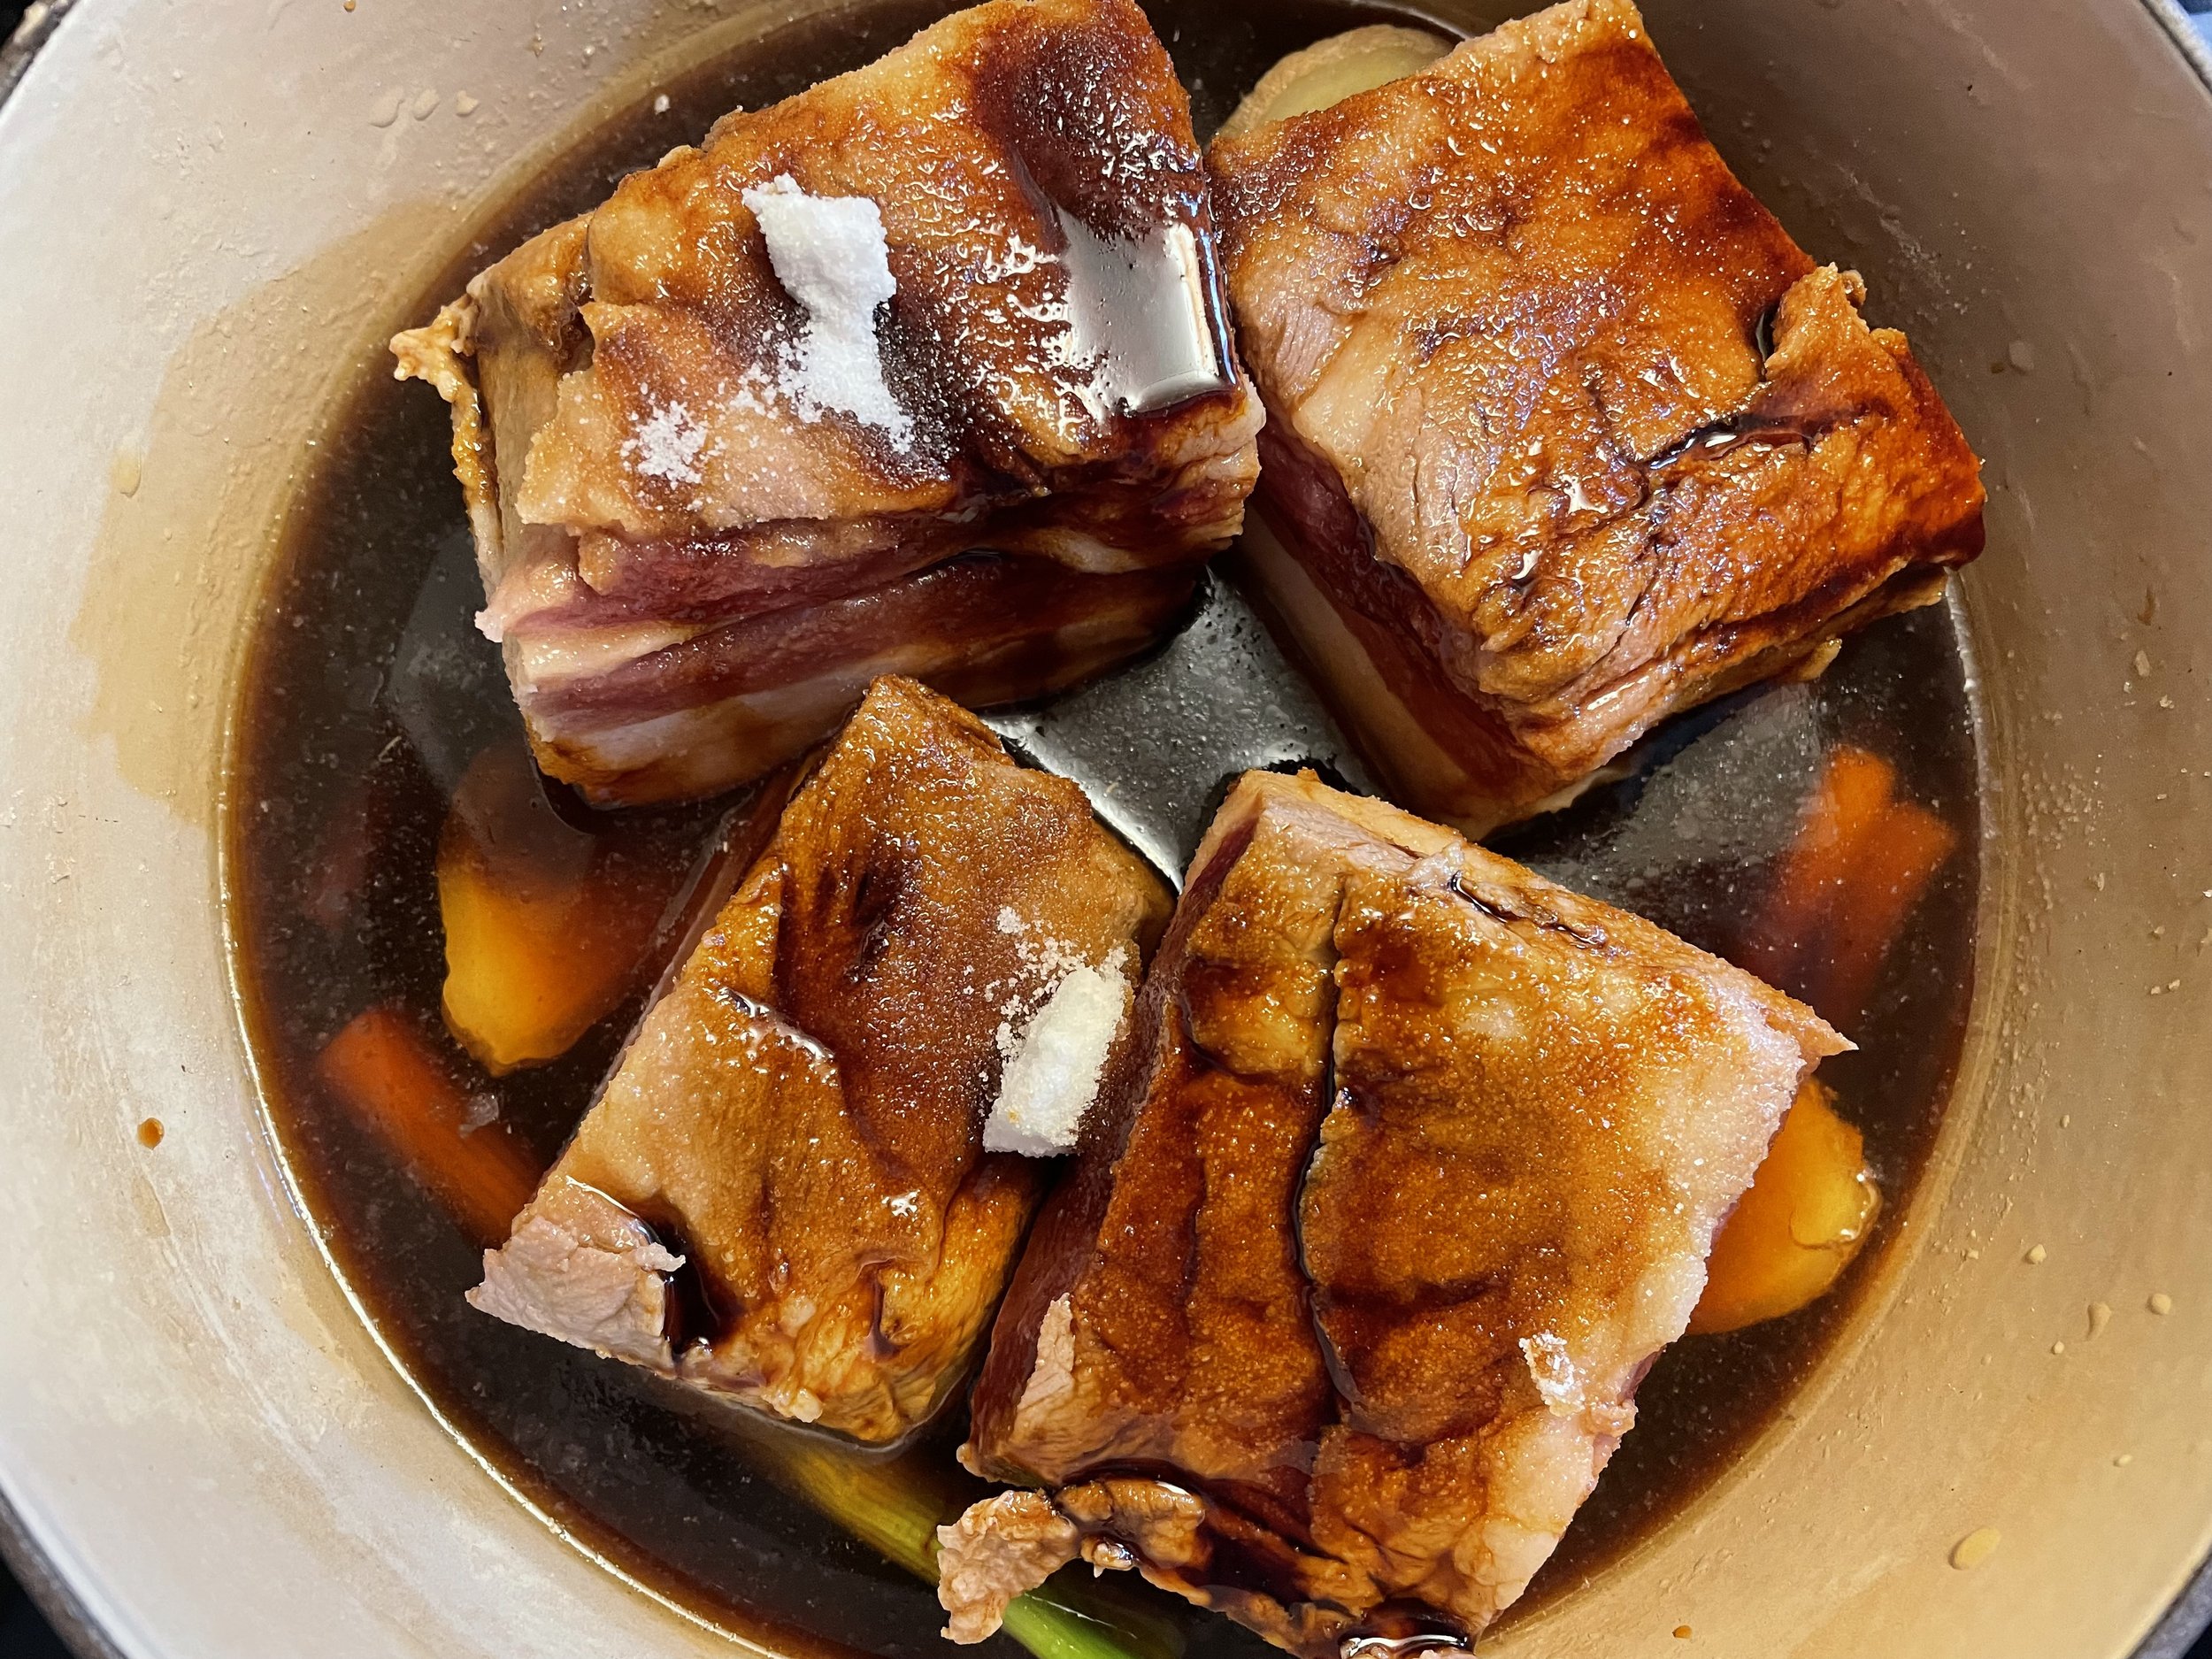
368,693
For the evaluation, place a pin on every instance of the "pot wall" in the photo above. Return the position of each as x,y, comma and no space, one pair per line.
209,219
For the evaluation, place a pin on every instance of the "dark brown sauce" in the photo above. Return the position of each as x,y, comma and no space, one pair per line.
1899,690
367,695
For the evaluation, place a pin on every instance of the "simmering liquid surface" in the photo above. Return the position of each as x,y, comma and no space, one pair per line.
369,693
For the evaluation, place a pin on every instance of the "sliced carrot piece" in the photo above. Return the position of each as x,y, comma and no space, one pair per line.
1807,1215
1842,811
1888,877
384,1072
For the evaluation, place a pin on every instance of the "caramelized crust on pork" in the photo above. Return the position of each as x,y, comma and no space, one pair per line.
650,458
1158,1317
1348,1364
1568,433
1544,1110
782,1194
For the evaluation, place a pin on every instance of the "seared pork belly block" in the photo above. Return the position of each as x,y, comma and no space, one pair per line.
1412,1170
925,371
1565,433
783,1193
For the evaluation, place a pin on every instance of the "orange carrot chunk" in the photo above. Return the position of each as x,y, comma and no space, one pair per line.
1886,881
1843,811
386,1074
1806,1217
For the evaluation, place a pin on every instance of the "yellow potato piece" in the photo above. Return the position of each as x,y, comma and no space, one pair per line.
516,991
545,927
1330,71
1808,1211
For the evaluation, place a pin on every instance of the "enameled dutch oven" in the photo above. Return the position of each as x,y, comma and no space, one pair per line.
209,217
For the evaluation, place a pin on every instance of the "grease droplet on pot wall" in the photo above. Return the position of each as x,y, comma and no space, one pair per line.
1976,1548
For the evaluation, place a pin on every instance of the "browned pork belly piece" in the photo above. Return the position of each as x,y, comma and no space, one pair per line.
926,371
783,1193
1565,433
1412,1170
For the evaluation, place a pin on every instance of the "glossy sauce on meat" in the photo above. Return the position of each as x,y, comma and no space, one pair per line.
369,695
1619,444
637,395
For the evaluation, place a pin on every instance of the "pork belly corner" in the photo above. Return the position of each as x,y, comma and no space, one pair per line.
1565,433
783,1195
581,1268
1414,1172
924,370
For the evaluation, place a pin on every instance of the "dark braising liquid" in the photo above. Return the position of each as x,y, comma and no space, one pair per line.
369,693
1685,842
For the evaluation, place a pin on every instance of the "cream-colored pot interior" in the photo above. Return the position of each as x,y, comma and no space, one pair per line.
208,216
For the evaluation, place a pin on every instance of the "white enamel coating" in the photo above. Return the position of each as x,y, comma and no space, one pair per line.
206,212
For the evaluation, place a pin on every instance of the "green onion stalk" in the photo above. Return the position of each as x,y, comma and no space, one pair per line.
895,1505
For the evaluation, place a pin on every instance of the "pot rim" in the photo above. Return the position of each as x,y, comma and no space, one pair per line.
2185,1619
